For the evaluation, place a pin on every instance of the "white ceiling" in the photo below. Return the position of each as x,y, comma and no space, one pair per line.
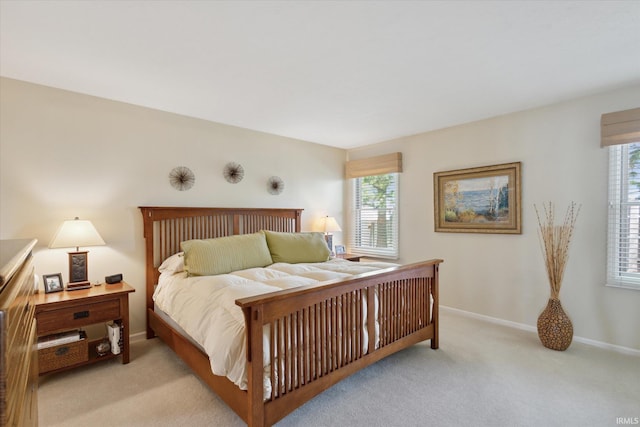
340,73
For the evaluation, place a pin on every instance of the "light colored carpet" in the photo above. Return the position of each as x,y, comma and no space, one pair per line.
483,375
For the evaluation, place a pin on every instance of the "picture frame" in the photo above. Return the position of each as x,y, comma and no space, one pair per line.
483,199
52,283
340,250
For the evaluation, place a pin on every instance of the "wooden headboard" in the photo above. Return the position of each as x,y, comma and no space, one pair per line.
166,227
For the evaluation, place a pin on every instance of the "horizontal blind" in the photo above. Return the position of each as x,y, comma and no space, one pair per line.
374,219
623,243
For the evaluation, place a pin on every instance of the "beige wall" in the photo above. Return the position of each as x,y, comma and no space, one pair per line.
503,276
63,155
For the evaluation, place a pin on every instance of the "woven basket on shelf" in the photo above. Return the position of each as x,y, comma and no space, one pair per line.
61,356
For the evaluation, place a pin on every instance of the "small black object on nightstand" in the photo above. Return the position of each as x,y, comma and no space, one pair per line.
116,278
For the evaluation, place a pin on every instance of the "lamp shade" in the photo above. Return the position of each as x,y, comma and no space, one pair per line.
76,233
330,224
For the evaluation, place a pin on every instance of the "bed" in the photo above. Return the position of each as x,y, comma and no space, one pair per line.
314,335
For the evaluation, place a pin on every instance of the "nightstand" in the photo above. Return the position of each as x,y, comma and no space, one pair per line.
349,257
69,310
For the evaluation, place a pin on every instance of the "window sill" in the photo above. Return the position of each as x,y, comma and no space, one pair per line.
630,286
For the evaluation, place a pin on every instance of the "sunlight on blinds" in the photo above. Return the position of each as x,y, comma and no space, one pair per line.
374,228
623,243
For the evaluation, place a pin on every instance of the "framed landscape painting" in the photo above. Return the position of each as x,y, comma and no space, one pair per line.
478,200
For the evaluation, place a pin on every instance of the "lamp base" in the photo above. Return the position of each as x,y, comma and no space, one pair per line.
73,286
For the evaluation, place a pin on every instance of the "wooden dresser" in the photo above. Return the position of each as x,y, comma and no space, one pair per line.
18,355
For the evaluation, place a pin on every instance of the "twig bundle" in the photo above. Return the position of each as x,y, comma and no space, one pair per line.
554,241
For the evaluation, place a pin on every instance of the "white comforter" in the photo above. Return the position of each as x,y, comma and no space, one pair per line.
205,308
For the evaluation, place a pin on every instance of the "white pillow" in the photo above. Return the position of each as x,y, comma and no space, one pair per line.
173,264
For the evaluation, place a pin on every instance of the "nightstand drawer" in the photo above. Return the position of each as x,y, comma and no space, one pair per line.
81,315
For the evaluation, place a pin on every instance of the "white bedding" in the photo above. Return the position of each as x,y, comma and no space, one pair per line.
204,306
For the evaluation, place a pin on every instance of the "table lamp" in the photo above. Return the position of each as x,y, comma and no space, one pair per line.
330,224
77,233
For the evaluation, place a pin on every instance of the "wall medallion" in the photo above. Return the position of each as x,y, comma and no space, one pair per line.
182,178
275,185
233,172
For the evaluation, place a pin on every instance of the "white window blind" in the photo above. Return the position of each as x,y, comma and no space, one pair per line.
374,227
623,246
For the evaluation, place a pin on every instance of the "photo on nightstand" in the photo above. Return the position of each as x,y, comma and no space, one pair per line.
340,250
52,283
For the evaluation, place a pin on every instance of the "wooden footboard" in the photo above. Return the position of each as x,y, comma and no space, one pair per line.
319,335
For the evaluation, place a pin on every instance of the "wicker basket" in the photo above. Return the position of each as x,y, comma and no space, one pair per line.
61,356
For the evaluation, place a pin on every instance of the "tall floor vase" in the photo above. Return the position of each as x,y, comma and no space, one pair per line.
555,329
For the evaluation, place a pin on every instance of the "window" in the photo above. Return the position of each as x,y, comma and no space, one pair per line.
623,246
373,224
621,133
374,228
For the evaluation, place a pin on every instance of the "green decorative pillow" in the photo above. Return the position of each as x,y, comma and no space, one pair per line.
225,254
297,247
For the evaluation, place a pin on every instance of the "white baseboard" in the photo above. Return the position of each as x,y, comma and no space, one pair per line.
140,336
522,326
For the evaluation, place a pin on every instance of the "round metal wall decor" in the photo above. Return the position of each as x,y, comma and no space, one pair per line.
275,185
233,172
182,178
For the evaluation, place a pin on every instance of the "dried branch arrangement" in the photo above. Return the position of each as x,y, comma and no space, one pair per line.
555,240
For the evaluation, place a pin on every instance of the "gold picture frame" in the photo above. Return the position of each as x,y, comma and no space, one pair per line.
478,200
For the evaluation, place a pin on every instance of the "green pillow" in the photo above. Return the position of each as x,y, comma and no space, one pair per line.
297,247
225,254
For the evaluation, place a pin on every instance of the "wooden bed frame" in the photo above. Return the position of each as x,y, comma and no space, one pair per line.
316,333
